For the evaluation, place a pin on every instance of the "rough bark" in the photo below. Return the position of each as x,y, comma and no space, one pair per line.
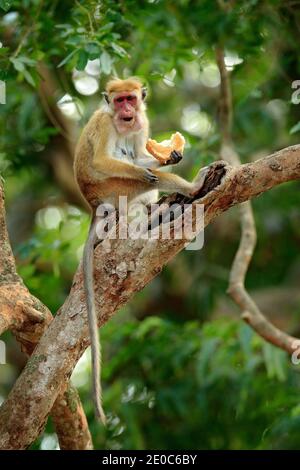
28,318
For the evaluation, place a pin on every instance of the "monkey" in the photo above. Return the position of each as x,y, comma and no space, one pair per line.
111,160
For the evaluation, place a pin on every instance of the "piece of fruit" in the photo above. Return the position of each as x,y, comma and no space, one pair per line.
162,150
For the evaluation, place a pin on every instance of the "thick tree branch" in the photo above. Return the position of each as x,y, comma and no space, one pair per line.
7,261
122,267
70,422
28,318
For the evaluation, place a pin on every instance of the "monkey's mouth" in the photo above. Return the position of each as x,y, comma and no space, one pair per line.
127,119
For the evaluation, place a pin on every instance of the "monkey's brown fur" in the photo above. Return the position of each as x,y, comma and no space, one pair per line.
111,161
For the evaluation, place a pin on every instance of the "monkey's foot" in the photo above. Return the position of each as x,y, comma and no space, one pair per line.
209,178
198,182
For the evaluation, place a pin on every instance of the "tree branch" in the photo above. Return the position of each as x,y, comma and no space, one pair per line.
251,313
225,104
70,422
28,318
122,267
7,261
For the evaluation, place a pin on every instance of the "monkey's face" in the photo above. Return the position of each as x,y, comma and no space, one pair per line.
126,107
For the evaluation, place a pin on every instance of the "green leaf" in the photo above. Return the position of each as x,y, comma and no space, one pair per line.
106,27
74,41
118,50
5,4
27,61
67,59
82,59
29,78
105,63
93,50
18,64
274,361
63,26
295,128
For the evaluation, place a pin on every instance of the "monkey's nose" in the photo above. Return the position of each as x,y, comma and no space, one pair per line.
126,114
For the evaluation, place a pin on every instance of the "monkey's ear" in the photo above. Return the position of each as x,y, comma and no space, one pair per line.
144,93
105,96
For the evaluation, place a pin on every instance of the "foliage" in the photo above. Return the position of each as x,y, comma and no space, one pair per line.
168,365
173,386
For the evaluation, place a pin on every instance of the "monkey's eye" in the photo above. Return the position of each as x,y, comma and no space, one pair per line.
119,100
130,98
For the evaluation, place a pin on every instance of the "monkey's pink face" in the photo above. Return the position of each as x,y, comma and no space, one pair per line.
126,107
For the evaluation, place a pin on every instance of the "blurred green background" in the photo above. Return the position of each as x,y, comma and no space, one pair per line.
180,370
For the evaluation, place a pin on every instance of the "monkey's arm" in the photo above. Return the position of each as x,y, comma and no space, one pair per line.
147,161
111,167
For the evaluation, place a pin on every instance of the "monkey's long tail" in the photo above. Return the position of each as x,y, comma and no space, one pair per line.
88,276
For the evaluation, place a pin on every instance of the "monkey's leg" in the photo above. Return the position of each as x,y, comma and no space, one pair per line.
169,183
113,168
149,162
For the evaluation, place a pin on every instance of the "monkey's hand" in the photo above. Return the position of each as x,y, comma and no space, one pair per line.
149,177
174,158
